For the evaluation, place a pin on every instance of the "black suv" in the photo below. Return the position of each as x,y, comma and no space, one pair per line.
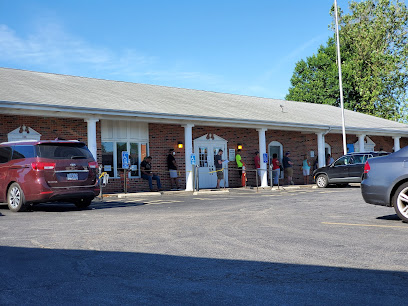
347,169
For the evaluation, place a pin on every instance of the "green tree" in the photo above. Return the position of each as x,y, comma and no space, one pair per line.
374,54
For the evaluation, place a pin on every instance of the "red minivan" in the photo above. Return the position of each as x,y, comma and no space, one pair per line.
43,171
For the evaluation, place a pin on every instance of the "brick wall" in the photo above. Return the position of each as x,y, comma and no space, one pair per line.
162,137
49,128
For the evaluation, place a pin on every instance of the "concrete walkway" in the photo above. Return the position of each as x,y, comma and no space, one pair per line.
209,191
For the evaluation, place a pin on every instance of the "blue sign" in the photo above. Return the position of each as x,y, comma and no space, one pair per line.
265,158
125,159
193,159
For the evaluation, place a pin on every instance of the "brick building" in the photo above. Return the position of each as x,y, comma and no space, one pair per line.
112,117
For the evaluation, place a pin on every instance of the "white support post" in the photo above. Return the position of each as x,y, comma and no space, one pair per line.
397,146
91,135
262,150
361,142
188,145
321,154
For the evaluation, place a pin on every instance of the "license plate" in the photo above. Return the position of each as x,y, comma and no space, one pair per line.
72,176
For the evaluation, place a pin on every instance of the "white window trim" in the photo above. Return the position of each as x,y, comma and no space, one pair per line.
136,132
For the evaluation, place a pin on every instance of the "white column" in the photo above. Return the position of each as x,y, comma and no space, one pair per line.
396,143
188,145
361,142
91,134
320,150
262,150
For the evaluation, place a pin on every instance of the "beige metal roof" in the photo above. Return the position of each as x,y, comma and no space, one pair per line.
20,89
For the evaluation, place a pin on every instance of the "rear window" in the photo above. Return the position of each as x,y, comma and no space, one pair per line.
20,152
64,151
5,154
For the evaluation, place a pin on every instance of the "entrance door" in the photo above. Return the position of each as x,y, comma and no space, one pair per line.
206,149
276,148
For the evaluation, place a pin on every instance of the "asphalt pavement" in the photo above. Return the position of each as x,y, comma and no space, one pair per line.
288,247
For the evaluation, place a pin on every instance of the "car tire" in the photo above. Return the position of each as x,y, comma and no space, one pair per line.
83,203
322,181
400,202
15,198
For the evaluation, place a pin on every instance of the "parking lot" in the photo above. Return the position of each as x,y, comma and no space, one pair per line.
296,246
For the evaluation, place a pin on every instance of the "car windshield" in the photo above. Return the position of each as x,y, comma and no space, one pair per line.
64,151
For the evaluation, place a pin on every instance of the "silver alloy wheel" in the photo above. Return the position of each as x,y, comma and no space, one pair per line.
402,202
14,197
321,181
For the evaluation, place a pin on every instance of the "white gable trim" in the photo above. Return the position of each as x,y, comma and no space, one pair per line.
23,133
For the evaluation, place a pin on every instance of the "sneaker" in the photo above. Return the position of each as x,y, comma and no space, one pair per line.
292,183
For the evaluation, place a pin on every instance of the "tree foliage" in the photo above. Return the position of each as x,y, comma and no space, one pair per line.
374,55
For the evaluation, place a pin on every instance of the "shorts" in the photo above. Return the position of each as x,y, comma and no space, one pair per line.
220,175
306,172
288,172
173,173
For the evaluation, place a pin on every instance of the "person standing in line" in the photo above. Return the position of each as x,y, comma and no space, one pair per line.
306,170
329,160
218,167
257,160
275,169
147,174
172,167
239,162
288,168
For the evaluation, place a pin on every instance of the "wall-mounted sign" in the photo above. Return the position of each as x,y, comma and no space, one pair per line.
231,154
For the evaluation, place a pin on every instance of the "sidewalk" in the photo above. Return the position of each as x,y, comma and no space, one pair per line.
209,191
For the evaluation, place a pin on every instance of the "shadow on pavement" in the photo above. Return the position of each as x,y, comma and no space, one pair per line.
393,217
67,207
54,276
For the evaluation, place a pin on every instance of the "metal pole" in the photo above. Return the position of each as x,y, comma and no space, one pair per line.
223,177
198,177
340,80
256,172
125,180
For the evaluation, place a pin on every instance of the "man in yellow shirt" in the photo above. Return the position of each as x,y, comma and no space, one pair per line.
238,159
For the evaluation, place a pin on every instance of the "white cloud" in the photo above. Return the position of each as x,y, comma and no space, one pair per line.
50,48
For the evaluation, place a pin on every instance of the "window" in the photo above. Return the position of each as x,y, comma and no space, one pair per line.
107,158
20,152
343,161
119,136
359,159
203,156
64,151
5,154
112,158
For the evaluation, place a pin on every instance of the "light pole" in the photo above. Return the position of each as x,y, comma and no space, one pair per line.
340,80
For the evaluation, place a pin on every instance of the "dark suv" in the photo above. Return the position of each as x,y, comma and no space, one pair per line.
43,171
347,169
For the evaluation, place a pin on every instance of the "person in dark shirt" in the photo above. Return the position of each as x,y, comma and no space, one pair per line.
288,168
218,167
172,167
147,174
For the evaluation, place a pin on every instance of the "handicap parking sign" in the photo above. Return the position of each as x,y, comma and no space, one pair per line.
125,159
193,159
265,158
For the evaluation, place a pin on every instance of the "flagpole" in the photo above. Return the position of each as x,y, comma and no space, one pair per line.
340,81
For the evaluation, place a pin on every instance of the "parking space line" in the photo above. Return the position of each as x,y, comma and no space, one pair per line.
365,225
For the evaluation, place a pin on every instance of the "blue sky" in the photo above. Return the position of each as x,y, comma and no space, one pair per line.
240,47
